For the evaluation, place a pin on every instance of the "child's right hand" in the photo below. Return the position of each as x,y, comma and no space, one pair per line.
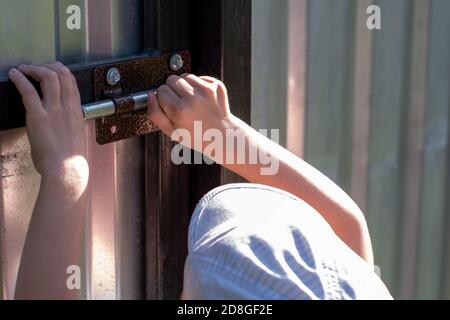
183,100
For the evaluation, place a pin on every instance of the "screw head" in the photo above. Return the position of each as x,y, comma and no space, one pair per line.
113,76
176,62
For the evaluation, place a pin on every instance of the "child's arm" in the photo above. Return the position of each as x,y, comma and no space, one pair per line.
56,131
186,99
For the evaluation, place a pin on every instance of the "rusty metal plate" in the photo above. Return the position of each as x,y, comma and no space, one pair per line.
137,75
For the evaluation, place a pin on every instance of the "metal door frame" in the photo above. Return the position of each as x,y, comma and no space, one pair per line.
218,34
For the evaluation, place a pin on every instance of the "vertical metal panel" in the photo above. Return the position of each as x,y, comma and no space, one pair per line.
220,34
130,206
414,146
329,86
152,205
296,77
71,45
433,199
446,274
127,27
114,29
400,167
269,65
113,244
279,63
361,106
167,185
20,181
222,48
33,23
101,226
390,79
19,187
207,51
237,59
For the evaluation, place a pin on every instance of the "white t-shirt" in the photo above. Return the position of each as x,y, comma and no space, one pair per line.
251,241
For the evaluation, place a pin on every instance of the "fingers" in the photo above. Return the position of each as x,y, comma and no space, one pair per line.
195,81
30,97
205,83
66,82
156,114
222,93
181,87
168,100
209,79
49,81
208,83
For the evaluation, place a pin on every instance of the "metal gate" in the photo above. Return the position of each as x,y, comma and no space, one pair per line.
139,202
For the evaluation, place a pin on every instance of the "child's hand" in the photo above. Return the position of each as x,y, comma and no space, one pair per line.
58,146
55,124
183,100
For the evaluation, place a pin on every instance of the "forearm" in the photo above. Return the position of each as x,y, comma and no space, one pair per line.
54,237
299,178
57,137
185,100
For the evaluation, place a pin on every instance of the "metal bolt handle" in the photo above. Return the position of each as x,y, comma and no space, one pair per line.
105,108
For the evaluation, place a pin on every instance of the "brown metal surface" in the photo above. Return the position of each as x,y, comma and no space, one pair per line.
136,75
123,126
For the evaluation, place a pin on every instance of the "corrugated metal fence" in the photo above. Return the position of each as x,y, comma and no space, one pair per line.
371,110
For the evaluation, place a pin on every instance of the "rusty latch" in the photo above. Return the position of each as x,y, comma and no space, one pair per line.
120,94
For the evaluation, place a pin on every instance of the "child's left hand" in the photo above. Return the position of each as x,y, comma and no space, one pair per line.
55,124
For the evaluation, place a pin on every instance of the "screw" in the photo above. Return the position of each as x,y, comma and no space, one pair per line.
176,62
113,76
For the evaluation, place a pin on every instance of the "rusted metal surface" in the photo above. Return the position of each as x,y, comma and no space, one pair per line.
123,126
136,75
